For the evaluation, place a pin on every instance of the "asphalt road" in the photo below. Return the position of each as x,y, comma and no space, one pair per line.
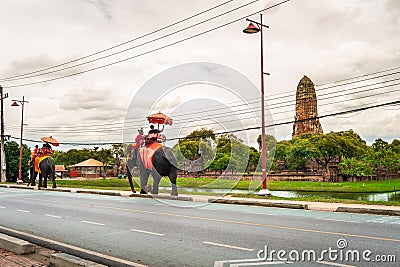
122,231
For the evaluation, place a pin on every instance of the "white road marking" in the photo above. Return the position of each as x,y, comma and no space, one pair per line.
325,219
53,216
146,232
95,223
23,210
221,263
227,246
258,263
2,207
334,264
259,213
159,204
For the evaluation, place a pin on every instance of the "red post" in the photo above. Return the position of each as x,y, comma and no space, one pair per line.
20,143
263,148
15,104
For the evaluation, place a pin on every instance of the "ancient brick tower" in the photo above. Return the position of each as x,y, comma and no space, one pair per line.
306,120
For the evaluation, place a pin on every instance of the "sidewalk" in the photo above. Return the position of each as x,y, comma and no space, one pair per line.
40,258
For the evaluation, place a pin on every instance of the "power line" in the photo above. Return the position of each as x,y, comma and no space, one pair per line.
137,46
118,45
396,102
360,76
244,111
148,52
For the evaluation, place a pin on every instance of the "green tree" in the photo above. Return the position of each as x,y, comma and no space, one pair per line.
12,151
379,144
355,167
106,157
254,158
73,156
197,144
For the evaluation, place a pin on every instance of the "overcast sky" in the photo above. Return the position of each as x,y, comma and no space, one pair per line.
326,40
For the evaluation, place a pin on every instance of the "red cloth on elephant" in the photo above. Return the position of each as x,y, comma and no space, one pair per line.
147,153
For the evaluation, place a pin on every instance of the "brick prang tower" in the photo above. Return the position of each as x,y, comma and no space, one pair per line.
306,119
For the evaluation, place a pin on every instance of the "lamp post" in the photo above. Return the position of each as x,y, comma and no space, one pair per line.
15,104
250,30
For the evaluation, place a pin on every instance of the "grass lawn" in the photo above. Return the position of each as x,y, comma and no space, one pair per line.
345,187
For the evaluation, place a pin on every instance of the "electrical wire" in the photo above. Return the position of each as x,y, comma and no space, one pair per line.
396,102
145,53
118,45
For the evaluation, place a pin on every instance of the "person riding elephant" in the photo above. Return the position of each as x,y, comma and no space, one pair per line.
155,135
46,150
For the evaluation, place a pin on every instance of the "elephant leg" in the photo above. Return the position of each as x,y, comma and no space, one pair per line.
53,179
156,182
40,180
131,181
144,178
173,174
32,176
172,177
174,190
45,175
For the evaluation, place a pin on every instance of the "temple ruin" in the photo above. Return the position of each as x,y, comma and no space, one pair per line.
306,119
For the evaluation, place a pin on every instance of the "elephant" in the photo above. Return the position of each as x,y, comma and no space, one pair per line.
164,164
47,168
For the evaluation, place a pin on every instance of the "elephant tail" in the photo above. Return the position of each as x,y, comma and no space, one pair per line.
50,163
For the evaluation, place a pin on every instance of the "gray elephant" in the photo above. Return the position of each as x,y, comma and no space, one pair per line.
164,164
47,169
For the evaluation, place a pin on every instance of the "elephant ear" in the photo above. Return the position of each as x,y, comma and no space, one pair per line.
169,155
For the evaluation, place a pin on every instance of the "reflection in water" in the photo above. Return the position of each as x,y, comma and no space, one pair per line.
390,196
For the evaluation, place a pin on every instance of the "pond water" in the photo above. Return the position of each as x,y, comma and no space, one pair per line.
390,196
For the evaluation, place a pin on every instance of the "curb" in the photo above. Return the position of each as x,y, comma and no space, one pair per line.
138,195
16,245
259,203
369,211
67,260
98,193
55,189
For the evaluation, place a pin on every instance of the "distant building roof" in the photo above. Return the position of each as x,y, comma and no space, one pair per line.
89,163
60,168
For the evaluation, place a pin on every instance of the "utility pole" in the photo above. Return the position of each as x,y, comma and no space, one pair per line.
2,154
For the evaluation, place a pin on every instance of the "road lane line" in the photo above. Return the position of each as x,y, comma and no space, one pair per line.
23,210
68,246
95,223
2,207
259,213
334,264
272,226
146,232
258,263
227,246
326,219
53,216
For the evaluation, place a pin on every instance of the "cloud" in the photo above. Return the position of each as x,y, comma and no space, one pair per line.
103,8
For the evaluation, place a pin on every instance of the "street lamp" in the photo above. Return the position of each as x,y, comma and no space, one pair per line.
15,104
250,30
